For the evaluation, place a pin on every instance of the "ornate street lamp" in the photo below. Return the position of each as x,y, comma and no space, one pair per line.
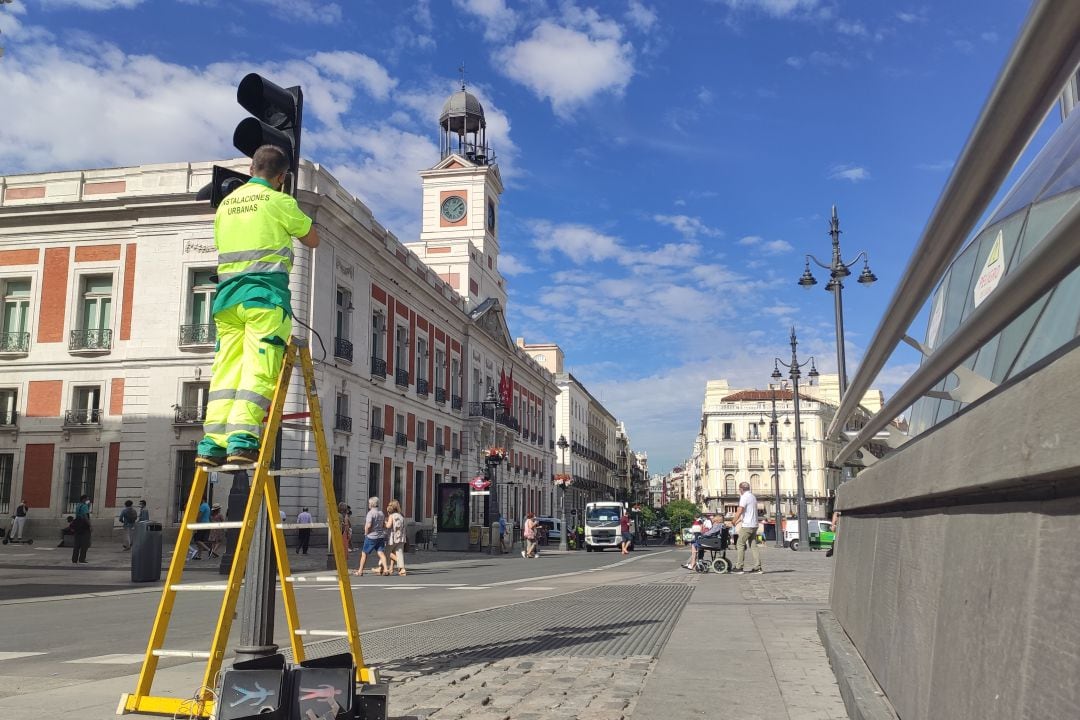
492,400
793,372
563,480
838,270
773,428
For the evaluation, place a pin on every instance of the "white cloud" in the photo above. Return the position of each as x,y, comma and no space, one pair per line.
795,62
567,67
308,11
357,68
940,166
93,4
510,265
688,227
774,8
990,37
854,173
912,17
751,240
579,243
964,46
640,15
704,95
853,28
499,20
777,247
780,310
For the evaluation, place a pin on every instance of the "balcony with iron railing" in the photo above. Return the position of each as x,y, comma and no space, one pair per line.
421,387
90,341
455,402
440,396
455,454
189,415
82,416
14,343
401,378
202,335
378,367
377,432
440,450
401,439
343,349
421,445
9,418
343,423
730,465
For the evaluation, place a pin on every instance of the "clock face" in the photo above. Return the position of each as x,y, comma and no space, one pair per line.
491,216
453,208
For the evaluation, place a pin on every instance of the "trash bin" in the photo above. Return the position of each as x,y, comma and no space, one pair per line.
146,552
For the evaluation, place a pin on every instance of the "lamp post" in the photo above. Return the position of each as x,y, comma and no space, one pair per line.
773,429
838,270
563,479
793,372
492,462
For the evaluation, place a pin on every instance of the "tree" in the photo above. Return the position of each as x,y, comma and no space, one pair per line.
681,513
648,516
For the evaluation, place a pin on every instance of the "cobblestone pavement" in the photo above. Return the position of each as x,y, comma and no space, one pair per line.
550,688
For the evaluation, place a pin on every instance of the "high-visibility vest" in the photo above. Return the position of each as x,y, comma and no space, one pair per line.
252,230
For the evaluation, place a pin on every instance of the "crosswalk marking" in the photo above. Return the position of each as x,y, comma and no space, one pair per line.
114,659
17,655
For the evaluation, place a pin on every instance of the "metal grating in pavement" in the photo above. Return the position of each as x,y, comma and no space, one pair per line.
608,621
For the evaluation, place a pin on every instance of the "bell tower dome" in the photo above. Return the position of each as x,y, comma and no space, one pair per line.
459,237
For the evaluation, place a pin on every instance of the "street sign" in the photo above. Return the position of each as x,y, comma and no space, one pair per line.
479,483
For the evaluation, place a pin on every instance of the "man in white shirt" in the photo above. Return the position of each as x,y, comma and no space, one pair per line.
746,522
303,537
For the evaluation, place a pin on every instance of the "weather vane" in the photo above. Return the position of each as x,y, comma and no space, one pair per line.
461,69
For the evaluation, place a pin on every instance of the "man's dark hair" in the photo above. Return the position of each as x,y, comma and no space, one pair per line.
128,503
84,497
269,161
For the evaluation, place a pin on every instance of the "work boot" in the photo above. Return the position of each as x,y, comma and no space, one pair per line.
244,456
209,461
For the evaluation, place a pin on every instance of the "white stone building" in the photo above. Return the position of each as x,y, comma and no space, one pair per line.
107,342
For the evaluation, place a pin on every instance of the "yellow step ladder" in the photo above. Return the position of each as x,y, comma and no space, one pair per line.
201,703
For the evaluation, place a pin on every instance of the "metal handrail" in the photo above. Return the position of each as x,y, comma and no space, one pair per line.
1048,263
1041,61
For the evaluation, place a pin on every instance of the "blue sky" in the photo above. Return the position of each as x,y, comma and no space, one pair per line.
668,163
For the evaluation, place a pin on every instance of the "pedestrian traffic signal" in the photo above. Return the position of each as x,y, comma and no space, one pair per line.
222,182
278,114
254,690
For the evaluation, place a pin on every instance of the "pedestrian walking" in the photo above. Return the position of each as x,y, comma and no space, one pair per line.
530,536
252,310
144,513
128,518
746,520
346,525
216,538
303,535
18,520
202,536
374,537
395,537
624,528
82,530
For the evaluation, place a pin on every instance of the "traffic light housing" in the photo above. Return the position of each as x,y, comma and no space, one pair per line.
222,182
277,116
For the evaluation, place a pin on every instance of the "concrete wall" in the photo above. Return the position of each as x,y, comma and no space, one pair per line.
958,564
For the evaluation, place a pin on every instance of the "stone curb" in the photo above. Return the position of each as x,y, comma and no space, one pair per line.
863,697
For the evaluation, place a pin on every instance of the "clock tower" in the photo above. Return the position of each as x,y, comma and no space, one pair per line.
459,237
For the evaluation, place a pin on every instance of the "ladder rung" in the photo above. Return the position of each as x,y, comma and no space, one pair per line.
196,586
297,426
215,526
323,633
236,467
300,526
294,472
182,653
317,578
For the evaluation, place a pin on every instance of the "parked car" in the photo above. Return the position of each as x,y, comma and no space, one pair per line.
554,528
821,533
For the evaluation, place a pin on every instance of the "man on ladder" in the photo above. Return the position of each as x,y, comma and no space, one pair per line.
253,231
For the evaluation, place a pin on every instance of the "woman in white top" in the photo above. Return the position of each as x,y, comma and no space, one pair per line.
395,537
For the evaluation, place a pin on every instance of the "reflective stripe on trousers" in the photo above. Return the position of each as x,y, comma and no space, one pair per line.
251,344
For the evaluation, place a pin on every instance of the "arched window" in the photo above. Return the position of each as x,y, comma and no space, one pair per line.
729,484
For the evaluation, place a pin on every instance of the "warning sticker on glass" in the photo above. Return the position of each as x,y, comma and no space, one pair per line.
992,270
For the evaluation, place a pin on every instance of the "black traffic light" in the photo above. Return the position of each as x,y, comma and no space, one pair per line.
254,690
278,114
223,182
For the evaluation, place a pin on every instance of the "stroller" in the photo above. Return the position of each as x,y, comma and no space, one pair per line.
716,546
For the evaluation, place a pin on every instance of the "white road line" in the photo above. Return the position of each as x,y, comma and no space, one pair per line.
17,655
115,659
535,587
472,587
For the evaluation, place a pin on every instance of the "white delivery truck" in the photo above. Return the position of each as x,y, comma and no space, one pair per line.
602,525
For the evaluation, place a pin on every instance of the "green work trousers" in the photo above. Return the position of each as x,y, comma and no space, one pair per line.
251,344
